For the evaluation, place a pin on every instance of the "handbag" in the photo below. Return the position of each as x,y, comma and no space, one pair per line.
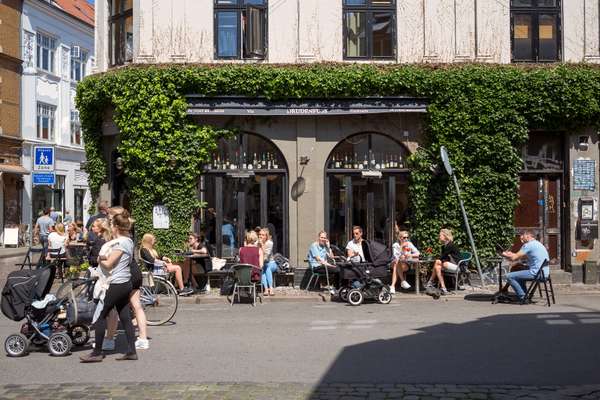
227,286
217,263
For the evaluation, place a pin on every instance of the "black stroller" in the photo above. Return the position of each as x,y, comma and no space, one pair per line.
364,280
50,321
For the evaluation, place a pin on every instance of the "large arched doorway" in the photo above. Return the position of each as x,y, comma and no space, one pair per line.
244,187
366,184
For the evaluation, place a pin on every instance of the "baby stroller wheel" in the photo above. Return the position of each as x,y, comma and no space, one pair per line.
80,334
16,345
59,344
355,297
343,293
384,296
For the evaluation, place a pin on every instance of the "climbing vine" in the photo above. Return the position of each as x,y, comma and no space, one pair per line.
481,113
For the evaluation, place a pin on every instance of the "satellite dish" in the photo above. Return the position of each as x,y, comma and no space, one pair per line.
446,161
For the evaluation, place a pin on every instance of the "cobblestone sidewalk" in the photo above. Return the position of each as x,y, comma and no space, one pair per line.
291,391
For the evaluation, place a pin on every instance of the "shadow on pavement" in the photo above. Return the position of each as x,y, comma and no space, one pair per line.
512,349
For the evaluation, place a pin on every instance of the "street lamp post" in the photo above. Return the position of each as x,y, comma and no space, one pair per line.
450,171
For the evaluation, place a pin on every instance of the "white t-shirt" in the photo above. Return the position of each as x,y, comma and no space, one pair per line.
356,248
57,241
121,272
407,249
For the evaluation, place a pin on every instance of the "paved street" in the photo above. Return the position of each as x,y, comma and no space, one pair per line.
419,347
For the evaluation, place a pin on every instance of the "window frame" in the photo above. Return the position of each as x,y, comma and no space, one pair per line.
243,38
51,115
82,61
75,129
51,52
370,9
534,11
118,18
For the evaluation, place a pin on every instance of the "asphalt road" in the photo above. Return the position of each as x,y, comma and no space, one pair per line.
408,341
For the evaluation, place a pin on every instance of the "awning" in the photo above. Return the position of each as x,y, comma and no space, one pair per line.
13,169
235,105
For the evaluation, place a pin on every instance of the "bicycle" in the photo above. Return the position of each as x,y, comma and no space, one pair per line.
158,296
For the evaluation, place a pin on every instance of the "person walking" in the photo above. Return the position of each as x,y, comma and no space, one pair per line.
43,227
117,295
102,213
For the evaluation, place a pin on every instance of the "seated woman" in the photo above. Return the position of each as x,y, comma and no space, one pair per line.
448,259
195,246
252,254
73,232
269,266
151,256
403,250
57,242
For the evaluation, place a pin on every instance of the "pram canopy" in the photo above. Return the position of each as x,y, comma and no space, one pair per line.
378,257
22,288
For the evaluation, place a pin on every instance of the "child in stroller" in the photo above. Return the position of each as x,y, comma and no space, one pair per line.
50,320
364,279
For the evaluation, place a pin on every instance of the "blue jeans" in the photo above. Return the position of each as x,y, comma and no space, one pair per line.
267,274
44,243
517,280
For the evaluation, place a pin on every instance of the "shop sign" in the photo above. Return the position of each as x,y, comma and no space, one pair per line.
160,217
43,178
43,158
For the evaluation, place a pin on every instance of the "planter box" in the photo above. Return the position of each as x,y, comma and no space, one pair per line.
590,273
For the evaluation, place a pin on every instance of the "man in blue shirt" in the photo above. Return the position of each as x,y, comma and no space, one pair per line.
318,253
537,257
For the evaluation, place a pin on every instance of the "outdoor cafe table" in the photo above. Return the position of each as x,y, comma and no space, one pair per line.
198,258
416,265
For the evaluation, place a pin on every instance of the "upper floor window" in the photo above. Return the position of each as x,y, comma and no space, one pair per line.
241,29
121,31
45,121
45,51
369,29
75,128
78,63
535,30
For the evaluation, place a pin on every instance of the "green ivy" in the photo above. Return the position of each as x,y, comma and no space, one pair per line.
481,113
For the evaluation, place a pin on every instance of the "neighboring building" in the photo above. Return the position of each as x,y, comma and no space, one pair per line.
58,50
11,171
336,194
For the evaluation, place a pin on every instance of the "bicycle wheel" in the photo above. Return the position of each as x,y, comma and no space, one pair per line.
159,301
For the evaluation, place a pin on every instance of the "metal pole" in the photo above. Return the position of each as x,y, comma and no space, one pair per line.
464,213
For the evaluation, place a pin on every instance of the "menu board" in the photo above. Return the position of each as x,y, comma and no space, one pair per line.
584,174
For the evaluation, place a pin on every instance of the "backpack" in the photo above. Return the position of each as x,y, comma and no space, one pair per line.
18,293
283,264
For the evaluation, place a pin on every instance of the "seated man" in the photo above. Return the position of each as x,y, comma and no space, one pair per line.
318,253
537,257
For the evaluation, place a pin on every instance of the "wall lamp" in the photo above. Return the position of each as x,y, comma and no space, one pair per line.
304,160
584,142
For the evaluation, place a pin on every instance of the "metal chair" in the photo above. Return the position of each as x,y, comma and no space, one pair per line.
30,255
462,272
538,279
316,276
243,279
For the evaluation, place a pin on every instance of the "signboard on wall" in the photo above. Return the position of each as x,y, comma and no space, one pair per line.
584,175
43,178
160,217
43,158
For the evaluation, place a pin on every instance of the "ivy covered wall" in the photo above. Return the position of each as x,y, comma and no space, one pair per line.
481,113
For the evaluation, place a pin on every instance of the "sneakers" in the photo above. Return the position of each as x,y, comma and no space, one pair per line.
185,292
443,291
91,358
107,345
392,290
142,344
405,285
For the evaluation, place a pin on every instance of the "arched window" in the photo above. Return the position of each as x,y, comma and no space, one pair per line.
366,184
244,187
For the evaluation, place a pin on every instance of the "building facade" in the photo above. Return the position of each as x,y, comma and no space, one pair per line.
11,171
300,171
58,51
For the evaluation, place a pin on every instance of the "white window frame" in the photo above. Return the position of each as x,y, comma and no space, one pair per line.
81,63
46,112
76,129
46,45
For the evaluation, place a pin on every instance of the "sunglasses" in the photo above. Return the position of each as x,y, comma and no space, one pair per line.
404,237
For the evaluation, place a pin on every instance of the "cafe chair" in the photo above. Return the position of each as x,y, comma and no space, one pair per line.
317,279
242,274
30,256
461,275
539,279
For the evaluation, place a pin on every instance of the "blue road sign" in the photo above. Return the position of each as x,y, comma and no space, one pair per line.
43,158
43,178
